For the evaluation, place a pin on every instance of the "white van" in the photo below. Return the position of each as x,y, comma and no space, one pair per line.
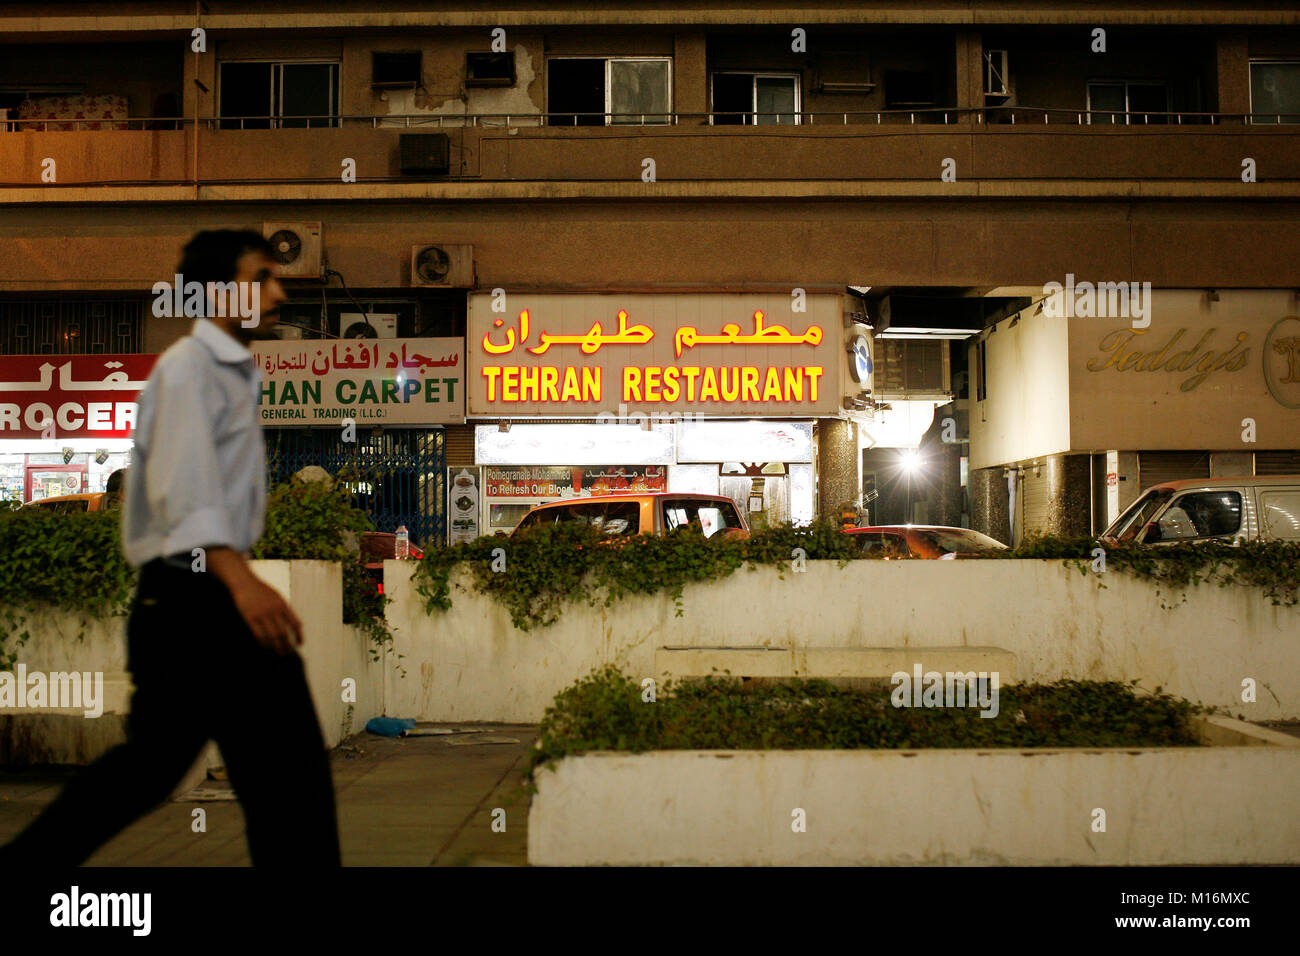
1228,510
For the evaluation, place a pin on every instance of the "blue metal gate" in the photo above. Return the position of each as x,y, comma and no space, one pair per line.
400,473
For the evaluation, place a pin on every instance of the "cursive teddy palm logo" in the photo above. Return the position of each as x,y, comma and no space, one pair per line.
1290,347
1282,361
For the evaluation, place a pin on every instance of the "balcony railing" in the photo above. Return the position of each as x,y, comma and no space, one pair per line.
921,116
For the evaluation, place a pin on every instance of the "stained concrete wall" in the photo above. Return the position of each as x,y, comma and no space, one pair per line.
471,663
331,652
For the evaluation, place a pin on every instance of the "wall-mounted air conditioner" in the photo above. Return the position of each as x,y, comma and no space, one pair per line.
296,247
443,266
370,325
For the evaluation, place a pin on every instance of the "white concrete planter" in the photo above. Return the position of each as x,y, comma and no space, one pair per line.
331,653
1041,619
1194,805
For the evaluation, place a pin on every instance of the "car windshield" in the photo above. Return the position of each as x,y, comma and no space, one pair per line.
704,514
958,540
1136,516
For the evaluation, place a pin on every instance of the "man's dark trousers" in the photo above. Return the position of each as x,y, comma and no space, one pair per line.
200,674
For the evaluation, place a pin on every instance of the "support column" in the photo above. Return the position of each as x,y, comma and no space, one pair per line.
1232,464
690,76
1126,486
989,503
1232,73
970,72
838,474
1069,495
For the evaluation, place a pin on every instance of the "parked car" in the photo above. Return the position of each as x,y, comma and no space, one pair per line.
923,541
624,515
1227,510
72,504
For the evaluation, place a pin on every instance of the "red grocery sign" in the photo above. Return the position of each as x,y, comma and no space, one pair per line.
71,396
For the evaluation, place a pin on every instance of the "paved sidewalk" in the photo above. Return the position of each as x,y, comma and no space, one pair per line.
414,801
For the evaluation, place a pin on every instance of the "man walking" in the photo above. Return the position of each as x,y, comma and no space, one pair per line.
211,648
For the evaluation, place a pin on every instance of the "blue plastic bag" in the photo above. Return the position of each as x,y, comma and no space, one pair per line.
389,726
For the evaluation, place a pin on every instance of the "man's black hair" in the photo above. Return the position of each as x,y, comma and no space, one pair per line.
213,256
115,480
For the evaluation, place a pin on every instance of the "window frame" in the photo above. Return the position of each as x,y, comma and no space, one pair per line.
669,113
755,76
335,118
1250,85
1126,83
1264,494
1179,496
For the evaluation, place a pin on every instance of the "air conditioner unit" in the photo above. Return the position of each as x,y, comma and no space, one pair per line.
424,154
995,73
443,266
296,246
371,325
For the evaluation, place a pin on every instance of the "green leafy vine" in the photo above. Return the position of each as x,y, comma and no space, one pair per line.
535,575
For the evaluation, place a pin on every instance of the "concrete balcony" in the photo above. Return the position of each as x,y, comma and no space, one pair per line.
825,155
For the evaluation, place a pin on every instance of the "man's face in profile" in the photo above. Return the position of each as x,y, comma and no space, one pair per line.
256,267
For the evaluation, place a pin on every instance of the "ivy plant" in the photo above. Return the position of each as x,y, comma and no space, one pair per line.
74,562
535,575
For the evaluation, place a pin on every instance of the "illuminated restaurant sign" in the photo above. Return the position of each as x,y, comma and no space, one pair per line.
372,381
722,355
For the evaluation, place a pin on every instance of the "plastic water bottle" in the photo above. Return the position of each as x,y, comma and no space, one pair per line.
403,544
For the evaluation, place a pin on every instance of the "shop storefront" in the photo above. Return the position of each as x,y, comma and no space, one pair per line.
704,393
1080,414
65,421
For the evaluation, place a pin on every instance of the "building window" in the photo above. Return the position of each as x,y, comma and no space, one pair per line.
755,99
1122,103
269,95
601,91
68,325
1275,91
981,378
907,89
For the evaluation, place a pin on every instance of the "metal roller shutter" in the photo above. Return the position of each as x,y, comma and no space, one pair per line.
459,445
1034,491
1277,462
1155,467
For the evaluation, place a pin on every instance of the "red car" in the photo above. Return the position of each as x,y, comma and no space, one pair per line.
923,541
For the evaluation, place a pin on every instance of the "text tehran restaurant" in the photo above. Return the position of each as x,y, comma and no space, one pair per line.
575,394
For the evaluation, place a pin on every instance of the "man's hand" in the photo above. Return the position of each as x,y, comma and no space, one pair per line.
267,614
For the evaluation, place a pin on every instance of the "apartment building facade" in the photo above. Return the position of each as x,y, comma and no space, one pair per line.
907,181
